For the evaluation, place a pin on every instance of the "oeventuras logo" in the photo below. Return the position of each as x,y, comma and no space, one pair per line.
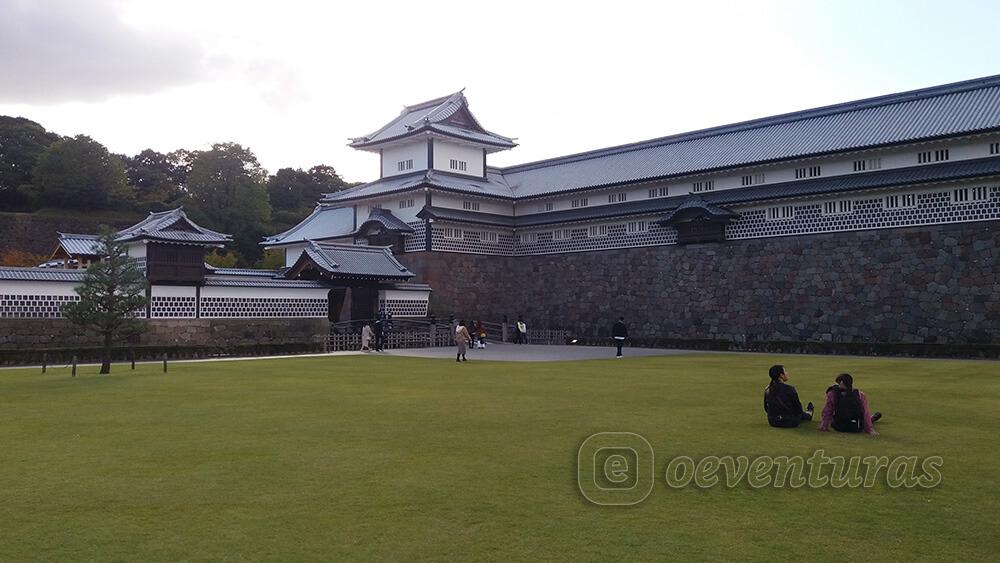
615,468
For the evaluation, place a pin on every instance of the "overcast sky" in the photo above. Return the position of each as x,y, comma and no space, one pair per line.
293,80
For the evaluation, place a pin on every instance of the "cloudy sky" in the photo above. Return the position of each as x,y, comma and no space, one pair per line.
294,79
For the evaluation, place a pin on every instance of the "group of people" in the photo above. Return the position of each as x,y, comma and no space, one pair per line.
463,338
846,408
373,334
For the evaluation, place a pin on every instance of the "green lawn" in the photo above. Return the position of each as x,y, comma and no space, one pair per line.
389,458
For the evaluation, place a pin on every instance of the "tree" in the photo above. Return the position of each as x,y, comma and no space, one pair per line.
292,189
21,258
219,259
272,259
112,291
226,189
21,142
80,173
157,177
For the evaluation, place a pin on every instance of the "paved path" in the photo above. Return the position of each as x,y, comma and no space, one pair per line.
534,352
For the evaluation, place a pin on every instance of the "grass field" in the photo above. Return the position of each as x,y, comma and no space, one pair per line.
391,458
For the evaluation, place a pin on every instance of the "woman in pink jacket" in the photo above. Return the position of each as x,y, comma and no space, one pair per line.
846,409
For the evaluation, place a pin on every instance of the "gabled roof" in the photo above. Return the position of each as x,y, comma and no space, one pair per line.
347,261
326,221
78,245
697,208
386,220
448,116
491,186
172,226
952,109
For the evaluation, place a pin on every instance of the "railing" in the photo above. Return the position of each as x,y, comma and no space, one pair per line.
421,333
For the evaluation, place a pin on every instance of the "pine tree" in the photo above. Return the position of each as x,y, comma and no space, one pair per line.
112,293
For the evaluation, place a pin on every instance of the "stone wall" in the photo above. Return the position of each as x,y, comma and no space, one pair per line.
937,284
60,333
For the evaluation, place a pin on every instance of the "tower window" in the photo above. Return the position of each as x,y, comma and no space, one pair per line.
703,186
404,203
405,164
470,205
994,148
459,165
753,179
618,197
547,206
581,202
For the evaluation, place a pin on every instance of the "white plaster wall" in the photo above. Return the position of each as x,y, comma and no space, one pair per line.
404,294
454,201
445,151
292,253
36,288
285,292
172,291
391,156
136,249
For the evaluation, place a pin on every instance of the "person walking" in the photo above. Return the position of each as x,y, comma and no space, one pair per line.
619,332
522,331
462,339
378,330
366,338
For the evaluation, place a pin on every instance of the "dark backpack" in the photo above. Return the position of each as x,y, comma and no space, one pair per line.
848,414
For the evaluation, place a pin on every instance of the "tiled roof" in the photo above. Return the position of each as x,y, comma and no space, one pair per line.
41,274
461,215
233,281
435,116
325,221
77,245
491,186
173,226
351,261
212,270
953,109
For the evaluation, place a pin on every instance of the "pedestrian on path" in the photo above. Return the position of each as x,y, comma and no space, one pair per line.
619,332
462,339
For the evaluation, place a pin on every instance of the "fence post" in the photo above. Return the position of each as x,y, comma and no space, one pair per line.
164,362
74,366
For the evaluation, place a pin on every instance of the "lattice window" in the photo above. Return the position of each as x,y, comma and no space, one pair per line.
875,212
459,165
404,307
405,203
470,205
994,148
617,197
703,186
780,213
256,307
662,191
547,206
580,202
34,306
405,165
637,226
172,307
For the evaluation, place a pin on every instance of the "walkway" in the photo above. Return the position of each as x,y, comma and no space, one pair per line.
534,352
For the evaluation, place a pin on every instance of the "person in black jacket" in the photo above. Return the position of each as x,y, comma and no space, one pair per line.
781,401
619,332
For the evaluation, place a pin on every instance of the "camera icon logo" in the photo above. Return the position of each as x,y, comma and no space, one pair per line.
615,468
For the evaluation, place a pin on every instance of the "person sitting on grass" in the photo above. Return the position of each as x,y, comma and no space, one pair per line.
781,401
846,409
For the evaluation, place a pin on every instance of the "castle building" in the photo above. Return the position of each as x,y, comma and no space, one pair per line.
876,220
815,210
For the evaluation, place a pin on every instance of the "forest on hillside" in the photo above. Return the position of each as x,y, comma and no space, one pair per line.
223,188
